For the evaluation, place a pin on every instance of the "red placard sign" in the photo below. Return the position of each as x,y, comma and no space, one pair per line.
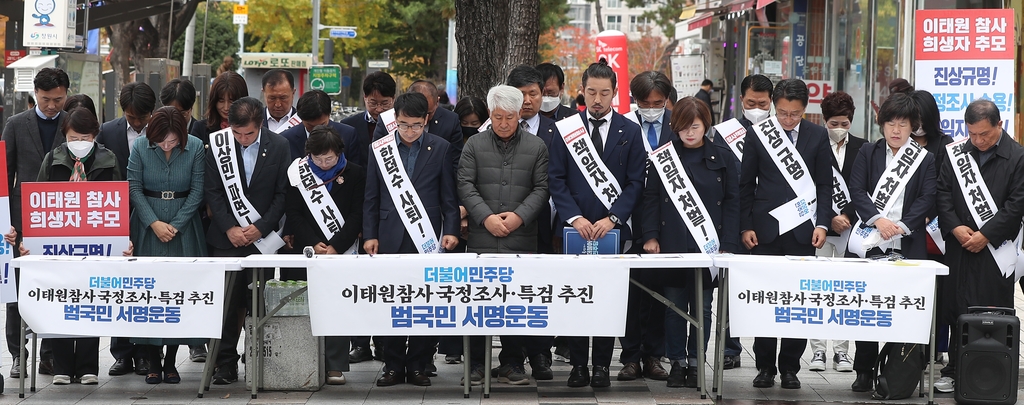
971,34
611,45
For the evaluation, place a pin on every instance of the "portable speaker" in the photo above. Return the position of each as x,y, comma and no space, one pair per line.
986,371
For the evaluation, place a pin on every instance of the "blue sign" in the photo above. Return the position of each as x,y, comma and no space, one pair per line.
342,33
799,38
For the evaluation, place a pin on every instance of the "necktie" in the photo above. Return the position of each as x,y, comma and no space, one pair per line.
595,134
789,134
652,136
525,126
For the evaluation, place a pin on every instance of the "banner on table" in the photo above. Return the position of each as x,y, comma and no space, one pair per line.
815,299
454,296
8,288
965,55
123,297
75,218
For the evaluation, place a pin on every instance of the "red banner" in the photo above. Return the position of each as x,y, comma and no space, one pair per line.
977,34
89,208
612,45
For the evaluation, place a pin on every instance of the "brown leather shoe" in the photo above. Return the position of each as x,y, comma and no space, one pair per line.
629,372
654,370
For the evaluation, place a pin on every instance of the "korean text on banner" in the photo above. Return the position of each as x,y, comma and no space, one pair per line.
122,297
455,295
865,301
962,56
8,288
87,218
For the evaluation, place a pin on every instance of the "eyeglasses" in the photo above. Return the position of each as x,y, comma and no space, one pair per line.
382,104
789,114
324,160
406,127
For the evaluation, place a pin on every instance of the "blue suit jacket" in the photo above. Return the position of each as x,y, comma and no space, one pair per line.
358,122
355,150
625,157
434,181
446,125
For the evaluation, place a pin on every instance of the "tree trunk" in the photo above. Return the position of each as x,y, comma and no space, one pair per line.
144,38
493,36
597,15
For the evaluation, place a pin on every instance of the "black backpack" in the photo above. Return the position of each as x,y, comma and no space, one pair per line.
899,368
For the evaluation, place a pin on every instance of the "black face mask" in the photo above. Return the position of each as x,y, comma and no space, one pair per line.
469,131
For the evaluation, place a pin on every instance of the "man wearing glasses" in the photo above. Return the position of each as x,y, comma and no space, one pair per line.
378,96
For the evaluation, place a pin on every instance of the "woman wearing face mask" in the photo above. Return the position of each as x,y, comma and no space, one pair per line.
165,183
711,169
472,113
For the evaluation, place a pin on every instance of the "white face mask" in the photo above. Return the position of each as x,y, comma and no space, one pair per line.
919,132
837,134
80,149
651,114
755,115
549,104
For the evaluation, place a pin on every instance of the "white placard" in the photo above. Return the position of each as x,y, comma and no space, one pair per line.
454,295
687,74
734,133
145,297
76,245
822,299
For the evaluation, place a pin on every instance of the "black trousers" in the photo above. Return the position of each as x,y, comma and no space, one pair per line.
645,320
867,354
76,357
335,347
450,345
790,350
516,349
579,350
404,358
235,308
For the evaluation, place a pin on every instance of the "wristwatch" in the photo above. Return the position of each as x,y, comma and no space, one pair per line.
615,219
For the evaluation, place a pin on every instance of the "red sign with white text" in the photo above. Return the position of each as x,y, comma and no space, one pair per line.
88,208
611,45
965,34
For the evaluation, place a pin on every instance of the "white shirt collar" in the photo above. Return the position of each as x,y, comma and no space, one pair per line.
534,124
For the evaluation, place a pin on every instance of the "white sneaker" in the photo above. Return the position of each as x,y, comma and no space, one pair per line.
90,379
944,384
61,379
841,362
818,362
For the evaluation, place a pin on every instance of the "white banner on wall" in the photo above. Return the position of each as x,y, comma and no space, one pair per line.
687,74
454,295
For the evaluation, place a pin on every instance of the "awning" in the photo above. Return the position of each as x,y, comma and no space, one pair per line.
762,3
700,21
733,6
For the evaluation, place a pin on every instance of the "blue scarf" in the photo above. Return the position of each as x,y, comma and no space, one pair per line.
328,175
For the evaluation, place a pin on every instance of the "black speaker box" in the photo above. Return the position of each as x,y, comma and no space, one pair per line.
987,365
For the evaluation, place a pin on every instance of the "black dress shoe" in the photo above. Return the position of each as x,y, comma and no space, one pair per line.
863,383
731,362
677,377
579,376
541,366
600,378
764,379
691,377
141,366
389,378
789,381
654,370
121,367
359,354
418,378
225,375
629,372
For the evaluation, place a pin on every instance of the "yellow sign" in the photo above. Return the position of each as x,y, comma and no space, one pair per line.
241,9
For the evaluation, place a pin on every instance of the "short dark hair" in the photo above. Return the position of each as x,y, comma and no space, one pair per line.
929,109
600,70
412,104
472,105
900,85
756,83
792,90
245,111
167,120
51,78
228,85
688,110
313,104
179,91
899,106
274,77
982,109
323,139
420,86
82,121
137,97
523,76
80,100
380,82
673,96
707,82
644,83
549,70
837,104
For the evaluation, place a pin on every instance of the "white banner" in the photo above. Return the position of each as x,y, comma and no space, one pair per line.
577,140
8,289
404,196
890,185
223,143
831,299
455,295
733,132
140,297
793,168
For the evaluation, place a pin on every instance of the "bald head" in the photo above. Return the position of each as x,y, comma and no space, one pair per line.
429,90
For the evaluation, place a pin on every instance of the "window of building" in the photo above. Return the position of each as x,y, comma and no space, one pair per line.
614,3
614,23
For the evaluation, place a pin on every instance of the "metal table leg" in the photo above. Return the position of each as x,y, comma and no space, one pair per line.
723,324
21,354
211,357
699,289
487,365
254,340
32,369
466,383
931,352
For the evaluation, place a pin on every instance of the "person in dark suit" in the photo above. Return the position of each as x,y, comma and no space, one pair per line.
345,182
226,88
427,161
644,342
704,94
137,101
763,188
181,94
472,112
262,160
898,118
378,95
279,94
618,141
29,136
440,121
712,171
314,109
553,88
